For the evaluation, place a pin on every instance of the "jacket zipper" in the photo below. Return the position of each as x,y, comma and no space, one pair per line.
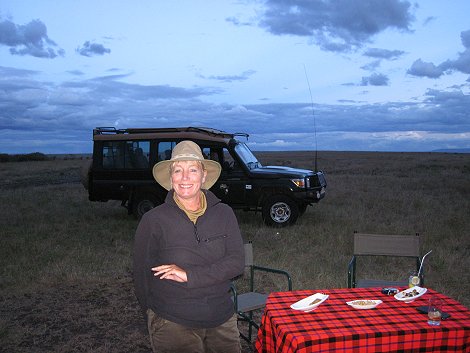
196,235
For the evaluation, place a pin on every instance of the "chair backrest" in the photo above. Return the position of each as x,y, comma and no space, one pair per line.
386,245
392,251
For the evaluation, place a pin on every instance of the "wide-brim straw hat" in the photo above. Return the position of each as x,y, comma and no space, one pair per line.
186,151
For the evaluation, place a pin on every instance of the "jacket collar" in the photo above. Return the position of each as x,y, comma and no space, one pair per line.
211,199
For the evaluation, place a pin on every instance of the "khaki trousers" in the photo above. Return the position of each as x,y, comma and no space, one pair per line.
169,337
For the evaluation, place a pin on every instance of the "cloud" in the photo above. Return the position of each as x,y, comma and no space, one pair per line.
428,20
236,21
399,141
424,69
90,49
450,107
8,73
60,117
465,36
25,101
373,65
462,63
76,72
375,80
30,39
336,25
379,55
383,53
230,78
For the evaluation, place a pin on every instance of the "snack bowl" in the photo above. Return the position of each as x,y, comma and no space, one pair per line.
310,303
364,303
409,295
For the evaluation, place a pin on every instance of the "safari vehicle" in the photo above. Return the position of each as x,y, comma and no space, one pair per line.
122,163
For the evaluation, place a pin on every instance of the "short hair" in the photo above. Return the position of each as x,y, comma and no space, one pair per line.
172,165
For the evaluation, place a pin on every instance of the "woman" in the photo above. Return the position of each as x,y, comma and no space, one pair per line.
186,252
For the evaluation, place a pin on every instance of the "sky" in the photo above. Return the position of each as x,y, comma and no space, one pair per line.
345,75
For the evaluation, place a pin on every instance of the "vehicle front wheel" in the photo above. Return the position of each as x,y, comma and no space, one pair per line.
143,203
280,211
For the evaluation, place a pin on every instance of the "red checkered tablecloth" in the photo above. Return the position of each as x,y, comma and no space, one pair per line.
393,326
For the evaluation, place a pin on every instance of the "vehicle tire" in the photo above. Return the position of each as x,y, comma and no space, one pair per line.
280,211
142,203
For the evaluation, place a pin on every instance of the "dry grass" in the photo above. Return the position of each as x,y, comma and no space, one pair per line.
65,282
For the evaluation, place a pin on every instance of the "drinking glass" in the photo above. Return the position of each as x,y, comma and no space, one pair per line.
434,311
414,279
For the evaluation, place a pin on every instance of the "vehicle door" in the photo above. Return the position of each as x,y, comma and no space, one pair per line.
232,183
122,164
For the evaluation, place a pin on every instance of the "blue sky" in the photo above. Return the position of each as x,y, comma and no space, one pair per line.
372,75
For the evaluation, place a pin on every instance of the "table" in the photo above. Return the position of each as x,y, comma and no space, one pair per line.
393,326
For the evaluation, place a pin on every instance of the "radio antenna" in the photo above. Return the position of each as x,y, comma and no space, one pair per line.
314,122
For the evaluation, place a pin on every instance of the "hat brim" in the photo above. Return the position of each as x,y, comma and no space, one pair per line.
161,172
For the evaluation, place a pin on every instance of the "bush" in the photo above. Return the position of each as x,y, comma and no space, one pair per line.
4,157
36,156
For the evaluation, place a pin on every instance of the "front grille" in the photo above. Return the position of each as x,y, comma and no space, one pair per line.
312,181
315,181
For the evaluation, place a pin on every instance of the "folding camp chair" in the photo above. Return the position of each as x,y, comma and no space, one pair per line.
247,303
382,245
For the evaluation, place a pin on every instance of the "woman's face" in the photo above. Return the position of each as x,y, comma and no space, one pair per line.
187,178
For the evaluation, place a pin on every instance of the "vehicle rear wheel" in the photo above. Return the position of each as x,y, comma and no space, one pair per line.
280,211
143,203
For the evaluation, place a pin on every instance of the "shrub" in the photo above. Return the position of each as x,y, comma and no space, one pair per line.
36,156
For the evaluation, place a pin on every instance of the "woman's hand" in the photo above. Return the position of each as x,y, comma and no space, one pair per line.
172,272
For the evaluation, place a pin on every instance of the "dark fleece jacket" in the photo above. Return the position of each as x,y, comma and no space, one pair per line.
210,251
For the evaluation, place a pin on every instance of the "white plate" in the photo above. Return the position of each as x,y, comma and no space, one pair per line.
310,303
364,303
410,294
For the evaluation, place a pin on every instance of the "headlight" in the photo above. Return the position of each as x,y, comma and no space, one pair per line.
300,183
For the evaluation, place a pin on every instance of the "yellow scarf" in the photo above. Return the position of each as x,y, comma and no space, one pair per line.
193,215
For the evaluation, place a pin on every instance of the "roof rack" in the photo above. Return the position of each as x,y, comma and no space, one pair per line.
241,134
209,131
104,130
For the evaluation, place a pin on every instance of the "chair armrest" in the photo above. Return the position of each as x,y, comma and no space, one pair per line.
233,289
351,272
273,270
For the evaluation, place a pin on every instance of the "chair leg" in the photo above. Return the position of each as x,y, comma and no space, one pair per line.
249,320
248,341
250,325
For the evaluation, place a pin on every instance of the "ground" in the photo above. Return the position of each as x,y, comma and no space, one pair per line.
102,317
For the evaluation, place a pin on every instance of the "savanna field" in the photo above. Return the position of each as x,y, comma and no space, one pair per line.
65,262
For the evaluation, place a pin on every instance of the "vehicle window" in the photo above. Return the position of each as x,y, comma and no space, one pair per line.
206,151
140,151
211,153
164,150
247,156
113,155
228,162
126,154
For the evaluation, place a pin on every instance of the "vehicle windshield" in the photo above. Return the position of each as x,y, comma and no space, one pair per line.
247,156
